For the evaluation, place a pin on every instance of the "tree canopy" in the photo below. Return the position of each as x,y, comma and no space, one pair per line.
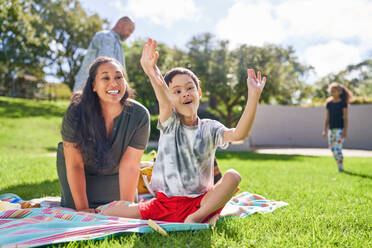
358,78
223,74
37,35
48,37
24,41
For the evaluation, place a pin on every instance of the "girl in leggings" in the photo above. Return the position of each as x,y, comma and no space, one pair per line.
336,120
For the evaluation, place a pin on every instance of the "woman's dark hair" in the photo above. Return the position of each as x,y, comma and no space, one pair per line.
91,133
180,70
346,94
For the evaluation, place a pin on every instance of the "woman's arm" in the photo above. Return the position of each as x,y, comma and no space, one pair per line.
76,176
344,133
326,124
128,173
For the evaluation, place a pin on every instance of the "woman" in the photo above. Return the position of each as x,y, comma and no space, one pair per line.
104,135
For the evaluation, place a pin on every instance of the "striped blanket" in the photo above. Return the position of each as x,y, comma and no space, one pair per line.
51,223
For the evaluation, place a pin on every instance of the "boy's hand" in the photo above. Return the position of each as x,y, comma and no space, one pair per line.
149,59
255,84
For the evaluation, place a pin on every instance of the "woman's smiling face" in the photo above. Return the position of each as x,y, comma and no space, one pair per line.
109,83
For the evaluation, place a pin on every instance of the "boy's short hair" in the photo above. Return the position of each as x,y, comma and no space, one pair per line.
180,70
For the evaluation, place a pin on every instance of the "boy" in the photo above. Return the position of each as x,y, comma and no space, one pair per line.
183,172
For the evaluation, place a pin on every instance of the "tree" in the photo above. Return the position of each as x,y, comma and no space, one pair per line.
223,74
360,78
357,77
138,79
208,60
221,85
199,52
39,34
72,31
24,42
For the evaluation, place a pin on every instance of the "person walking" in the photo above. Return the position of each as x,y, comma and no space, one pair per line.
336,121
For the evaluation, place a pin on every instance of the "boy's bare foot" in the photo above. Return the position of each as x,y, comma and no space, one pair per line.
192,219
212,221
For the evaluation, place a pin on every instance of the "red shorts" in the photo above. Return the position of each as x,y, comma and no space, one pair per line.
172,209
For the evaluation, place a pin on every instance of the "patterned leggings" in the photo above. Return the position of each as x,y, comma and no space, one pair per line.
335,143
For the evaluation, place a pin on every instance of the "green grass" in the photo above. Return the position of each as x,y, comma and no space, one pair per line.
326,208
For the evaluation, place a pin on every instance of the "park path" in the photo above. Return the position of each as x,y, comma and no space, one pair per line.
312,151
293,151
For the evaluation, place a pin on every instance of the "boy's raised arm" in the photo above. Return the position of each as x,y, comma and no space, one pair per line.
149,59
255,87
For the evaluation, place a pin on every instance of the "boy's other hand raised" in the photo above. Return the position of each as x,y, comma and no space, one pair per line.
149,59
255,84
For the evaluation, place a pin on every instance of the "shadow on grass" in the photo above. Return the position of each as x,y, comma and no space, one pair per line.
29,191
357,174
257,156
22,108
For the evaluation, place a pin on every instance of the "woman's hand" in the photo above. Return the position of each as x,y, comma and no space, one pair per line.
324,133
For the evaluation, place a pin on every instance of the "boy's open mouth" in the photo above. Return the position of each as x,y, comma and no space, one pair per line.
113,92
188,102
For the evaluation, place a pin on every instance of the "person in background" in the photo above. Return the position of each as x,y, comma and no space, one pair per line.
105,43
336,122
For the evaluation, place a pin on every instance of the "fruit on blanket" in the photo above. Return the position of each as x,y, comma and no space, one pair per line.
27,204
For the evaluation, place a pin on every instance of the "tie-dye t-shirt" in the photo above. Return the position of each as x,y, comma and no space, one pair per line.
184,164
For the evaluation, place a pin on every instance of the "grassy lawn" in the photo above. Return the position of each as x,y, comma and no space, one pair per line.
327,208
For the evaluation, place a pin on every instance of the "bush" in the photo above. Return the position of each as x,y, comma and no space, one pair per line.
361,100
155,133
316,102
57,91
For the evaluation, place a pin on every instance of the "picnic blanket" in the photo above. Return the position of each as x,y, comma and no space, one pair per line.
51,223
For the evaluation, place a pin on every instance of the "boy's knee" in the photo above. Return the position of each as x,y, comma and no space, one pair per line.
233,175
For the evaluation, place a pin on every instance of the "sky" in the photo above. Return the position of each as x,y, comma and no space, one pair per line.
327,34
